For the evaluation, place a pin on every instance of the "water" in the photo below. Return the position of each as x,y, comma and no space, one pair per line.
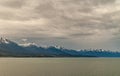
59,66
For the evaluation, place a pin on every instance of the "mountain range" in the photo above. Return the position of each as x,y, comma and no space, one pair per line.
10,48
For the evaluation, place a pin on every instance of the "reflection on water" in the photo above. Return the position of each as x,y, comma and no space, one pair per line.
59,67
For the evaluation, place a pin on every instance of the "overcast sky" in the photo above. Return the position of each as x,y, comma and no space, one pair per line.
75,24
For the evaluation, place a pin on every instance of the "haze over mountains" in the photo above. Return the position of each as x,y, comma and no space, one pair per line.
9,48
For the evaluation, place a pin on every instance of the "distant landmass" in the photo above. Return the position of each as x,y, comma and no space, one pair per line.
9,48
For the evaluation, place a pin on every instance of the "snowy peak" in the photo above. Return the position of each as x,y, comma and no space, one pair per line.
56,47
4,41
28,44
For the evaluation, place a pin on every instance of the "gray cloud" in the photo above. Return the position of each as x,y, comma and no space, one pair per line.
12,3
71,21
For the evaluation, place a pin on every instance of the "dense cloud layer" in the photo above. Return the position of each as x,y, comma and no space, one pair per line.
71,23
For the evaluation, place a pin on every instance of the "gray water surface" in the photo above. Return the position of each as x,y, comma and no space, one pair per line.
59,66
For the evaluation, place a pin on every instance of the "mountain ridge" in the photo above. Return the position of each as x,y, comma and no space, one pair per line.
9,48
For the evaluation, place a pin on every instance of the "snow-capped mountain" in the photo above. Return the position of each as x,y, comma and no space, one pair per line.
4,41
9,48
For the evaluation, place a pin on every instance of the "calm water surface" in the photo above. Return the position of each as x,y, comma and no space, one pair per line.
59,66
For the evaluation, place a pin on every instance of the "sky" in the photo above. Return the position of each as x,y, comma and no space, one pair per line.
74,24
